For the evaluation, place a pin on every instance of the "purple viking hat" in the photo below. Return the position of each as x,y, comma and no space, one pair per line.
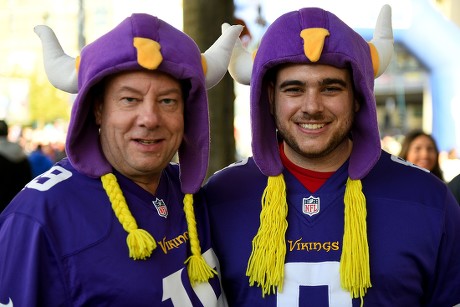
115,52
313,35
140,42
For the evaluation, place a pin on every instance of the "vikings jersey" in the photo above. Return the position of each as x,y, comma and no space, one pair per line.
413,233
62,245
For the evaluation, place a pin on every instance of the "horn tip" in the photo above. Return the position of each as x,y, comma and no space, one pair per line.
39,29
386,10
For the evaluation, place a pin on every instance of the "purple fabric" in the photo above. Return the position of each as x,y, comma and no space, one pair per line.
344,48
114,52
62,245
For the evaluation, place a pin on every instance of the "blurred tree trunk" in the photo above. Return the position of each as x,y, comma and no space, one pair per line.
202,21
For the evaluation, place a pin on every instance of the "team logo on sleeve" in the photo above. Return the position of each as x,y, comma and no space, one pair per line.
310,205
161,207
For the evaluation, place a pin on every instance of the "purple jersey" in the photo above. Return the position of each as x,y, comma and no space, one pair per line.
69,249
413,234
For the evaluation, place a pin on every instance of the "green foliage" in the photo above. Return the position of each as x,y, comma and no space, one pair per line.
46,103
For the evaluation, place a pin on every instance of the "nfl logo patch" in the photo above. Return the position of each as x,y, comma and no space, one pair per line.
310,205
161,207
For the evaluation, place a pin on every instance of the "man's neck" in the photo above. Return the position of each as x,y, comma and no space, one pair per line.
328,163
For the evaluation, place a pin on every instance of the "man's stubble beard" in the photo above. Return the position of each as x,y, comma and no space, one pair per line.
341,136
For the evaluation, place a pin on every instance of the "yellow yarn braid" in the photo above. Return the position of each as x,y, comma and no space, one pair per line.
140,242
354,262
198,270
266,263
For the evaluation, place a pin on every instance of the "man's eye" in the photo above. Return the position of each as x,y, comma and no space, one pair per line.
129,99
168,101
331,89
292,90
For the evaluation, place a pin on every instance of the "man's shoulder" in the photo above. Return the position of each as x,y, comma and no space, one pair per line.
57,188
400,170
242,178
58,202
242,168
395,178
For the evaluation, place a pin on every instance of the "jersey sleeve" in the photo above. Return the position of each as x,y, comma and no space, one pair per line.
447,280
30,271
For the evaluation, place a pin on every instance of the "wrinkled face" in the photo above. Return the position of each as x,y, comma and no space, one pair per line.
141,118
314,107
422,152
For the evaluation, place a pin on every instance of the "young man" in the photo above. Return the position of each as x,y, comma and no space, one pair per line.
106,227
320,215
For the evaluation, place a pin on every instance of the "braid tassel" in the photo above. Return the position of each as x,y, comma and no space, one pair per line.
198,270
266,263
140,242
354,262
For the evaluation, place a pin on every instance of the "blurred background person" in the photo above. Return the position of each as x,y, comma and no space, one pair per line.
454,186
15,170
39,161
420,148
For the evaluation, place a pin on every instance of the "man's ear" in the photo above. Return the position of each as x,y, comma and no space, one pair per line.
356,105
271,96
97,110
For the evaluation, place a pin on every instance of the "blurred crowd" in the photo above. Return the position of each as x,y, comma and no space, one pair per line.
25,153
50,137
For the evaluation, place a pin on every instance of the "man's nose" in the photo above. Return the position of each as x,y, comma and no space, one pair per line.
311,102
149,114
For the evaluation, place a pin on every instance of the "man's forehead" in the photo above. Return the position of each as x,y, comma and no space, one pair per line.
316,72
135,79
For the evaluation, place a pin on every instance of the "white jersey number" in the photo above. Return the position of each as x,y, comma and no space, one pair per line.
299,274
49,179
174,289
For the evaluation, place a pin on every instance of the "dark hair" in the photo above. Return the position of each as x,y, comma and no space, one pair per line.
409,138
3,128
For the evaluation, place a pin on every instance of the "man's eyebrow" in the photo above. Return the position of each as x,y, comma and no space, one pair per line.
330,81
163,91
291,82
127,88
324,82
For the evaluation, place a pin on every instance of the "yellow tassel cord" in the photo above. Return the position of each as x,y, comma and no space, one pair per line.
140,242
198,270
354,263
266,263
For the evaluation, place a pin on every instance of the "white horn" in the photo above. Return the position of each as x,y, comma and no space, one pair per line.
241,62
383,39
218,55
59,67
